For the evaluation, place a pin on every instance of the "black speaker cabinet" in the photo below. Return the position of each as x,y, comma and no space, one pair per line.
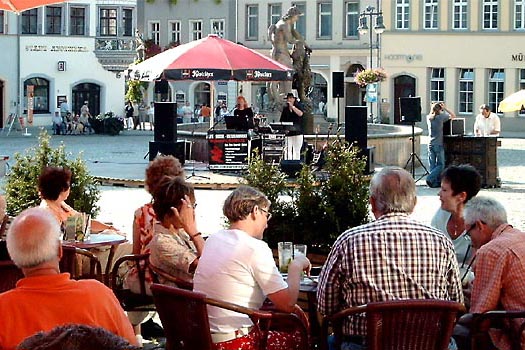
410,109
338,84
355,125
291,167
165,122
161,87
176,149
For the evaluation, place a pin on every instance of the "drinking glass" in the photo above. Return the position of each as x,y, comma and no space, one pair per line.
299,249
284,250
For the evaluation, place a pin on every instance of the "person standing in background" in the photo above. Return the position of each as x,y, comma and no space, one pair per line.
293,112
136,118
487,123
64,108
436,152
187,113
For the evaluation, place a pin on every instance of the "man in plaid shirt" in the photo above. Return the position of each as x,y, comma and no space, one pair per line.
393,257
500,262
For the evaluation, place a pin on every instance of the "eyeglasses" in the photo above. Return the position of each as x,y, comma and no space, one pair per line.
268,214
467,232
194,205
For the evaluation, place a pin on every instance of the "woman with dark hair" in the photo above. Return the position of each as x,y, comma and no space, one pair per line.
54,186
177,244
459,183
244,114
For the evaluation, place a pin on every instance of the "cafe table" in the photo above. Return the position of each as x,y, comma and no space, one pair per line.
101,240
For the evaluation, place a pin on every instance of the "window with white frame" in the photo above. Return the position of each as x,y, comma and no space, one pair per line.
519,13
108,22
30,21
459,14
351,18
274,13
53,20
466,90
490,14
252,22
300,25
127,22
437,84
2,22
154,32
218,26
496,87
324,20
195,29
77,21
174,28
402,14
431,14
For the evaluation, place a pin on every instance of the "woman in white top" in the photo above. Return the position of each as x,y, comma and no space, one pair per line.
459,183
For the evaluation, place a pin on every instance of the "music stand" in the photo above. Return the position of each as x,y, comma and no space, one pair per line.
414,157
191,156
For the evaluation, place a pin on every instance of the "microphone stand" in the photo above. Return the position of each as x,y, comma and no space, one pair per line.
191,156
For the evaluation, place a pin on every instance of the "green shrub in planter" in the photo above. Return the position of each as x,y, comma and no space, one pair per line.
22,181
314,211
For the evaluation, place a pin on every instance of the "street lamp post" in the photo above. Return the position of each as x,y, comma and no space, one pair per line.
379,28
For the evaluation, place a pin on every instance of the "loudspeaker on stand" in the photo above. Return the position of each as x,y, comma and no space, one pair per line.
338,84
165,122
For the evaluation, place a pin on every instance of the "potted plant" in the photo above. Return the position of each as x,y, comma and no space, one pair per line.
314,210
369,76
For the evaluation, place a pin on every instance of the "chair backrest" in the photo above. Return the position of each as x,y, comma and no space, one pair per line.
184,317
139,299
177,281
482,323
414,324
10,274
70,263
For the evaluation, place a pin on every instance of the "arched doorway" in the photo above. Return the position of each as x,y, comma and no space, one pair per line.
404,86
201,94
86,92
355,94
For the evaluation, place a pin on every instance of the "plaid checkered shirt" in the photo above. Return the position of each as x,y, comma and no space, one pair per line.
499,271
393,257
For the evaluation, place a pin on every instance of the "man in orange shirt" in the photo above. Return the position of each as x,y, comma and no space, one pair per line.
205,113
500,262
45,298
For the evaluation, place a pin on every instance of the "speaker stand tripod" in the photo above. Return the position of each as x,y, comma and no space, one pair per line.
414,157
193,160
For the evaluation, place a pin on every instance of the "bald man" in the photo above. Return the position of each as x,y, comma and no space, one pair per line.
46,298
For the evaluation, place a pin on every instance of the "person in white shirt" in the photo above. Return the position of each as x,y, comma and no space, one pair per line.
487,123
187,113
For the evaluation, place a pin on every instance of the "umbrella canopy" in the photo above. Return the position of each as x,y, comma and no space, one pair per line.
514,102
18,6
210,58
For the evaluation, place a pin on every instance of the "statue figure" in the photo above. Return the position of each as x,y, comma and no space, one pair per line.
140,47
281,34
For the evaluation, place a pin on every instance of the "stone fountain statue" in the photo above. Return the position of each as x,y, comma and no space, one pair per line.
140,46
281,34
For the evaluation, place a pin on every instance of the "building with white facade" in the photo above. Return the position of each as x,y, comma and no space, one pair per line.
166,24
75,51
463,52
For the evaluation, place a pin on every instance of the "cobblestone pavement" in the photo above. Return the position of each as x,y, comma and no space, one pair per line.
123,156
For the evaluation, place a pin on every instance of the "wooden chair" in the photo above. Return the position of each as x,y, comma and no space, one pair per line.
185,318
10,274
482,323
69,263
177,281
129,300
423,324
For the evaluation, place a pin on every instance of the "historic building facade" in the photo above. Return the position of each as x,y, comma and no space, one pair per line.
75,51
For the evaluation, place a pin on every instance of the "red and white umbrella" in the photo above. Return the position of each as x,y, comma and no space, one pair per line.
211,58
18,6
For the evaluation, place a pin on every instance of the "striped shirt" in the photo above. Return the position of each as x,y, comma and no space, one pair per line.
499,271
393,257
